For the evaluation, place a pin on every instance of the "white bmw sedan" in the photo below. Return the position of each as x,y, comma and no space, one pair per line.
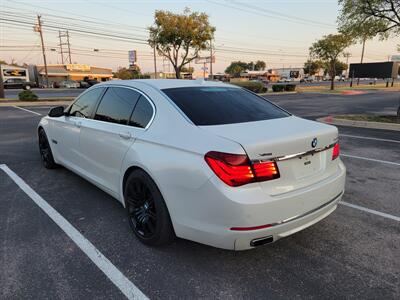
203,161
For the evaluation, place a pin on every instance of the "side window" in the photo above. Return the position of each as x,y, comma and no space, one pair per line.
117,105
83,107
142,114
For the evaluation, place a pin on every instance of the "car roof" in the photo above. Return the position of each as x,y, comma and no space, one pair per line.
168,83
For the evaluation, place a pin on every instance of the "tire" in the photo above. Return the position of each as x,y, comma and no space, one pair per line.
398,112
148,215
27,87
45,151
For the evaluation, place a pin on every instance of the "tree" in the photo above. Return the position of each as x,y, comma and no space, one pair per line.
260,65
312,67
370,17
339,68
180,37
328,49
236,67
131,73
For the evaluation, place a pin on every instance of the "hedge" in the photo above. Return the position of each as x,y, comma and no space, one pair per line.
27,95
254,86
284,87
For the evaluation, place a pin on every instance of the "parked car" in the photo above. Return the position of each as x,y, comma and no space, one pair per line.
69,84
18,83
201,160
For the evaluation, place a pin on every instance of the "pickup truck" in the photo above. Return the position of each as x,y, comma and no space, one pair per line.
18,83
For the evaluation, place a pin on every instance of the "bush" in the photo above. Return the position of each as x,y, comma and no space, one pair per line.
284,87
290,87
278,87
27,95
254,86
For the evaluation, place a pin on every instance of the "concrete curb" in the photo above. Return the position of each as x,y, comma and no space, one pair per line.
35,103
363,124
277,93
6,100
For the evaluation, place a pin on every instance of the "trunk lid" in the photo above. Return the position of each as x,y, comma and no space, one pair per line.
286,138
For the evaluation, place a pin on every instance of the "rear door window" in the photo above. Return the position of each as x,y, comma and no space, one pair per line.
84,106
222,105
117,105
142,114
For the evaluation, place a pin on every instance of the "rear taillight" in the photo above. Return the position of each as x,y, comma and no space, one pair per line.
336,151
236,169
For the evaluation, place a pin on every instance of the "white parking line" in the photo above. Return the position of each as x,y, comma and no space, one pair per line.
369,138
371,159
31,111
115,275
371,211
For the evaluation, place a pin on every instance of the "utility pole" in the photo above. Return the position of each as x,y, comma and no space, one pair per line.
211,59
347,55
61,36
61,48
38,28
155,63
363,49
1,84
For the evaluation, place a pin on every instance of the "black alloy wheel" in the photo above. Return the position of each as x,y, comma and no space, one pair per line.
45,151
147,213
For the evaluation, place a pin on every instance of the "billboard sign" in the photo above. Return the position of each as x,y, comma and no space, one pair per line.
374,70
78,67
14,72
132,57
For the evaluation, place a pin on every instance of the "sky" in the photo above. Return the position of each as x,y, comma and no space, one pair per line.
277,32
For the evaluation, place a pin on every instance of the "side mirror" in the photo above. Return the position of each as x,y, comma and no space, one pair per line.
56,112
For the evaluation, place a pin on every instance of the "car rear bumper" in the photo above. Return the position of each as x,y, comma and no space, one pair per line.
211,218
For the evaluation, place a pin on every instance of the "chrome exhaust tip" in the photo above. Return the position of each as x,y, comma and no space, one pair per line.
261,241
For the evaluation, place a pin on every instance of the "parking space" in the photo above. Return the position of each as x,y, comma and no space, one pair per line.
351,254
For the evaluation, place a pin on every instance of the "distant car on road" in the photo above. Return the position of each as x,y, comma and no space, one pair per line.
201,160
69,84
18,83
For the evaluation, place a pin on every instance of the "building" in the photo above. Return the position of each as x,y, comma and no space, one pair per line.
78,72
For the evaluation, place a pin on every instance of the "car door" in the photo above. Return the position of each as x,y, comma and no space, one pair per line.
106,139
65,131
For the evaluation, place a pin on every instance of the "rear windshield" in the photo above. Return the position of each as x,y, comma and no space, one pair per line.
222,105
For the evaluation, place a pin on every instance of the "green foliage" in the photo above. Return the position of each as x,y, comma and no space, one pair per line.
278,87
260,65
236,67
328,49
290,87
312,67
131,73
27,95
254,86
180,37
364,19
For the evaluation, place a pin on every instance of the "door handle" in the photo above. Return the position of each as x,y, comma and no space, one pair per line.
125,135
78,124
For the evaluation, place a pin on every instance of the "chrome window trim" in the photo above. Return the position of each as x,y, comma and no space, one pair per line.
142,94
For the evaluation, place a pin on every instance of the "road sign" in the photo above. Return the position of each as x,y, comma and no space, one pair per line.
204,60
132,57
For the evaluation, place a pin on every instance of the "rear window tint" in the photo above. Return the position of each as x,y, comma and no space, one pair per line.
222,105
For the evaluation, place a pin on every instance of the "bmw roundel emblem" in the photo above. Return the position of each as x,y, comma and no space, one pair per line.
314,142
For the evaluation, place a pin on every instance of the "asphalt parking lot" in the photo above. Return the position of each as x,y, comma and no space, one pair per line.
353,253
